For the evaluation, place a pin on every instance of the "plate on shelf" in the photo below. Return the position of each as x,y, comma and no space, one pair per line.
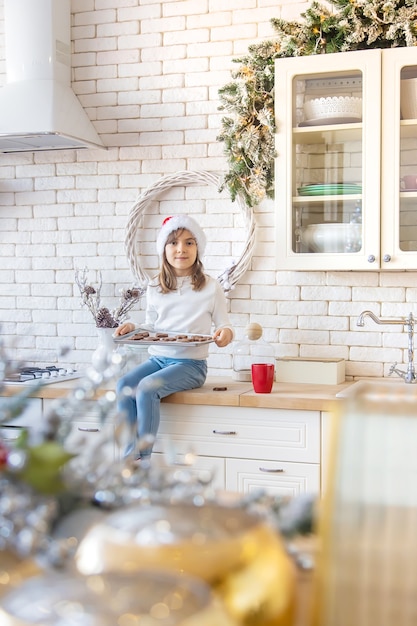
408,190
329,189
326,121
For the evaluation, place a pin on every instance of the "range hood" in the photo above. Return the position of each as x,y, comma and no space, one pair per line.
38,109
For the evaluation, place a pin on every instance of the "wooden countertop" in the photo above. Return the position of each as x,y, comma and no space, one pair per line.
283,396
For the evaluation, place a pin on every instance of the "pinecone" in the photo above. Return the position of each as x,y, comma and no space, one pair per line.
104,319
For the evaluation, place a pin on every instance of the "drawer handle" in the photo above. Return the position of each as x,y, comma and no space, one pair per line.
88,430
271,471
224,432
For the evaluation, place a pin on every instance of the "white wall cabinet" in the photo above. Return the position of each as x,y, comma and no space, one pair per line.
342,169
247,448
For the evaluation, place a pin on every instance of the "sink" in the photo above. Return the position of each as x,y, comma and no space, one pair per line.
373,386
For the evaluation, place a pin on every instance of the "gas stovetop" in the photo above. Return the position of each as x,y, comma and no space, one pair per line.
44,375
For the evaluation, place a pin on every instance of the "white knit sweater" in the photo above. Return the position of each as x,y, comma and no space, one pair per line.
186,311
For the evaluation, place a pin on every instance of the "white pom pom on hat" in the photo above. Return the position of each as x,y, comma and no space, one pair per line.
174,223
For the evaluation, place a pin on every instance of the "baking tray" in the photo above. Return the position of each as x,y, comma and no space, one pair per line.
153,340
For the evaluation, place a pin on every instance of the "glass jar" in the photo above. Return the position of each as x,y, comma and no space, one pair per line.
252,349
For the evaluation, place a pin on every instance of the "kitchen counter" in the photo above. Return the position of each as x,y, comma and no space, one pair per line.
222,392
283,396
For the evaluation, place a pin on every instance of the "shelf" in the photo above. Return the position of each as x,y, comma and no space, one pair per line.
327,133
332,198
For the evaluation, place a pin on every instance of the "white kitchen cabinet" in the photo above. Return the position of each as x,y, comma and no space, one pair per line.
346,173
274,449
30,416
88,432
327,435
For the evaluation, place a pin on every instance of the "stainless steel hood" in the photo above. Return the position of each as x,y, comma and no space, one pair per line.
38,109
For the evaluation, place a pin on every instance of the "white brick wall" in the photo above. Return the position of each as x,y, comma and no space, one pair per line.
148,76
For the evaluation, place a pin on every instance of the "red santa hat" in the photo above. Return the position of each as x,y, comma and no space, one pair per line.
180,221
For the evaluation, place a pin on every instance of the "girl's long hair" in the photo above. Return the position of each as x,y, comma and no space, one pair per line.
167,279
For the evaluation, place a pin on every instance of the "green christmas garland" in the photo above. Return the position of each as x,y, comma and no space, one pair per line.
248,130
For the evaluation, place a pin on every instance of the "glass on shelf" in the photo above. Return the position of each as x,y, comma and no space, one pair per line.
252,349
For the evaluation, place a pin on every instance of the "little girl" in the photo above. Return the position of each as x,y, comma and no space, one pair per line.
182,299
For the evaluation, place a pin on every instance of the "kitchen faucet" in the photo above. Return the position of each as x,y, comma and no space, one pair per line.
410,375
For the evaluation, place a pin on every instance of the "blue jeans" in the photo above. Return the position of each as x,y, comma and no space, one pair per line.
149,382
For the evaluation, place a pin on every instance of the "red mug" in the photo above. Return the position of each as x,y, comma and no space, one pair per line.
263,377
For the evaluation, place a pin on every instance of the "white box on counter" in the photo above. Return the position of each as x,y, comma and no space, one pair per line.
310,370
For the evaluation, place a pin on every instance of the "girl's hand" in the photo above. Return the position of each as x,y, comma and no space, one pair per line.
125,328
223,336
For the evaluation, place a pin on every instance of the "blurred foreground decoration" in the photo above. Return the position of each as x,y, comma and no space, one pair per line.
67,515
367,572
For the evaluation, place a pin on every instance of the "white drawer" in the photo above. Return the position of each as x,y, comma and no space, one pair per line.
92,434
210,469
242,432
90,413
277,478
10,434
31,414
30,417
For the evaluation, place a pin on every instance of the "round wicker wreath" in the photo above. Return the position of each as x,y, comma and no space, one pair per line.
231,275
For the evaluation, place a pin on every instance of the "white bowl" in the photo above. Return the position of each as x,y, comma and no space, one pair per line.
332,237
333,106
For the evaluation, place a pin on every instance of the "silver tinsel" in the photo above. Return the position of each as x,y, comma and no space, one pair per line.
28,519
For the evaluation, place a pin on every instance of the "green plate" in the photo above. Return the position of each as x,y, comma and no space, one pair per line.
329,189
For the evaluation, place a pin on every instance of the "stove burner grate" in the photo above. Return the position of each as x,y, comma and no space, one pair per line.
46,375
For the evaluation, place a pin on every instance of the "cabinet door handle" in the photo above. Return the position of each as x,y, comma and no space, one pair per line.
387,258
224,432
271,471
88,430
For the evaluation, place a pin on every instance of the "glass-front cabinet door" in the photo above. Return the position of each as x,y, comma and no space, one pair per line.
399,159
345,162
